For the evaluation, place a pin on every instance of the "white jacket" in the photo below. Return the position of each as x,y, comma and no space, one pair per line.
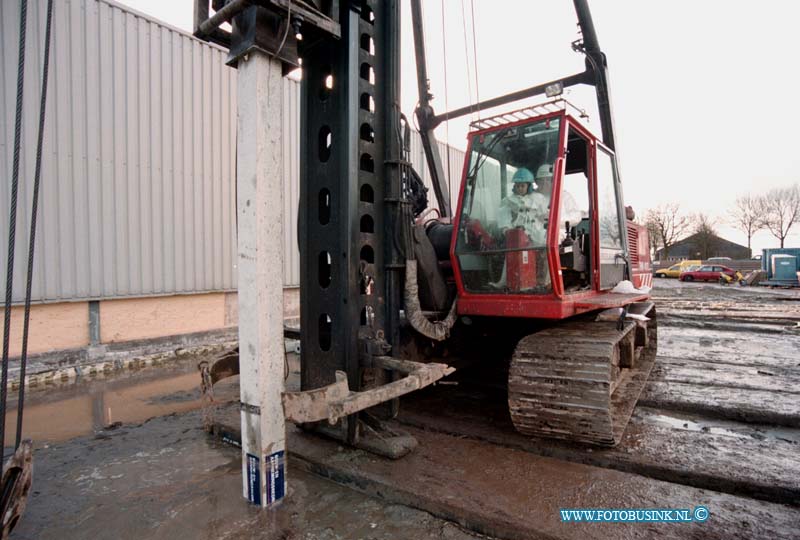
527,211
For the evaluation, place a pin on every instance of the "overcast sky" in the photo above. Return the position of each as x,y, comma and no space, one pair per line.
704,92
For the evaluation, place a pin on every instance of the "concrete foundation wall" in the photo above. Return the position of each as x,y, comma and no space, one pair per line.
142,318
291,306
52,327
62,326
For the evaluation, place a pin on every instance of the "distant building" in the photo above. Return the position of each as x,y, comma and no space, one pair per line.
704,247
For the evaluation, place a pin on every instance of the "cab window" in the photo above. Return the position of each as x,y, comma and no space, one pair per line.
502,230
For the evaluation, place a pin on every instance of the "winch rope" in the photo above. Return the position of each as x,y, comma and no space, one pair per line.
466,56
446,103
475,57
12,227
34,210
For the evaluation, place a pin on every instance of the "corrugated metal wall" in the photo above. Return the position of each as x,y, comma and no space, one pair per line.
455,159
291,179
137,192
138,175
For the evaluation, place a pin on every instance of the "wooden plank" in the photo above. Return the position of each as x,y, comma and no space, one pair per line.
786,364
701,315
730,347
710,326
727,376
741,306
755,406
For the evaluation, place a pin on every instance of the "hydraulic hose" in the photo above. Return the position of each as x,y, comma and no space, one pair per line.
438,330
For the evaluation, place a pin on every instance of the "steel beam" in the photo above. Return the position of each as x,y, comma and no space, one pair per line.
392,176
349,190
331,200
585,77
597,65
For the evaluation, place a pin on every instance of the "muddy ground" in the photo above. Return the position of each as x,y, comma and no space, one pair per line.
717,425
127,458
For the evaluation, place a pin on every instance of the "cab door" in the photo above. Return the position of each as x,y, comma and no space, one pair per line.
612,240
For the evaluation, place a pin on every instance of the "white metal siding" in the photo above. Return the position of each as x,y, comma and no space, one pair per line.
137,177
138,174
291,180
452,164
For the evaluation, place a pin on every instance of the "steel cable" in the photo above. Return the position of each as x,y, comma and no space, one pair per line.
12,228
466,55
475,57
446,107
34,211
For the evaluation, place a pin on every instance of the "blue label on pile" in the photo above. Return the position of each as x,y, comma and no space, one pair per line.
276,476
253,479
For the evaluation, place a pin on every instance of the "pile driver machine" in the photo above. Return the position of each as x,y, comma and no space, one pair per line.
523,272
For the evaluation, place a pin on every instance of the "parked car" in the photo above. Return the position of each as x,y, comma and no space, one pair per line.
717,260
676,269
707,272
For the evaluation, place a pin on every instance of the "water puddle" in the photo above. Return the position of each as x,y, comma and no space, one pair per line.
59,414
722,427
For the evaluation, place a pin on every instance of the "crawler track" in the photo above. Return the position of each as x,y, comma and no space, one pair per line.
580,381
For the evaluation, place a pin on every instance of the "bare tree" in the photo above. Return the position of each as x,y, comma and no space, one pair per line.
668,224
779,210
746,216
705,236
653,235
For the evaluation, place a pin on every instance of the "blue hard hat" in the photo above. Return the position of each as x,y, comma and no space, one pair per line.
522,175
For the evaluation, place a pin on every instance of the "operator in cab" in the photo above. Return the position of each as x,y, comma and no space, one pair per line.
524,208
570,211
